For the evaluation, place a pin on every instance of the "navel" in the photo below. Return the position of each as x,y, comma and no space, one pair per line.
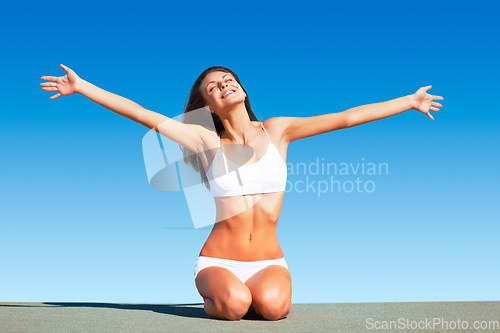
250,238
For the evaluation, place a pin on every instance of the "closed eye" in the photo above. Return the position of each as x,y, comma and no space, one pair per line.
214,87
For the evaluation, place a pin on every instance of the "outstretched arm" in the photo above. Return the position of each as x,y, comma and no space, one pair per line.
302,127
188,135
420,101
72,83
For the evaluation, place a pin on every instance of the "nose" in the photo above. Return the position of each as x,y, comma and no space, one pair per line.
223,84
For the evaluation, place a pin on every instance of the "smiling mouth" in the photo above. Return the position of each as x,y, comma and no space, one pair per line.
230,92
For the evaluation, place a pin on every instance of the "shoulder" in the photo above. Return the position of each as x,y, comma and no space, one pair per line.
277,125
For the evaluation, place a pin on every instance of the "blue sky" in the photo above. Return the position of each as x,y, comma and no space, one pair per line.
80,222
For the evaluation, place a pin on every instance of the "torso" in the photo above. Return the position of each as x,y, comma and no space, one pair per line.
247,224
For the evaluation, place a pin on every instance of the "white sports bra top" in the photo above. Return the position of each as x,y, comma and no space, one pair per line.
267,175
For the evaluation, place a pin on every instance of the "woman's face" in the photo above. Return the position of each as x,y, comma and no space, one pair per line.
221,90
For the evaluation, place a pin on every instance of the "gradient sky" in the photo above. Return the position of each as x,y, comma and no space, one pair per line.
80,222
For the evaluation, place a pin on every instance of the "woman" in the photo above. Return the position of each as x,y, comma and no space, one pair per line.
241,266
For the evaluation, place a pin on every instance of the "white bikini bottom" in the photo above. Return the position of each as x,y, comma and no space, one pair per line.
242,269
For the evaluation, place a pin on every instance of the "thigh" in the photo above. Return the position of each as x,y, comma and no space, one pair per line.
271,287
221,286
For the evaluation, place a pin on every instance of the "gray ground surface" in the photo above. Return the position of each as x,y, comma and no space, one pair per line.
322,317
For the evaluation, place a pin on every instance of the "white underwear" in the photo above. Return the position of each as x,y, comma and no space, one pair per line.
242,269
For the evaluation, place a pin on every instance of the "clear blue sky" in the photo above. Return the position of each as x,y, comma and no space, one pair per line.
79,221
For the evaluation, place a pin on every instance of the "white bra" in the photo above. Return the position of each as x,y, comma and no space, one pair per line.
267,175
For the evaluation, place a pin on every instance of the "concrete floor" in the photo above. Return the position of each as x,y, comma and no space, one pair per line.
322,317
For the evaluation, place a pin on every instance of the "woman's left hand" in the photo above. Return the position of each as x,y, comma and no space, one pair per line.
423,101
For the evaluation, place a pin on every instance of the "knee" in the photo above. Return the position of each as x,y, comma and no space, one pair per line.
237,303
274,308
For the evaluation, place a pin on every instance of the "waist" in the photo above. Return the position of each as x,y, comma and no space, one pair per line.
242,246
243,262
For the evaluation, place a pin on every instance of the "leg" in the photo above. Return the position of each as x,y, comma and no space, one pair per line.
226,297
271,290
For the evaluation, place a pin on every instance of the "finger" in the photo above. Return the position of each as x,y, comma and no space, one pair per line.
437,104
430,115
438,97
50,89
51,78
434,109
428,87
55,96
48,84
66,68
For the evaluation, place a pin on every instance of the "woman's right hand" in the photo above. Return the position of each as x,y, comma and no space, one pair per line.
65,85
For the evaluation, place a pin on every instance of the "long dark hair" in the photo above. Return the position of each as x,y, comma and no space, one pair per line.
196,101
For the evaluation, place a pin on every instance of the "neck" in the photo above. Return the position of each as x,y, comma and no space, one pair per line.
237,124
